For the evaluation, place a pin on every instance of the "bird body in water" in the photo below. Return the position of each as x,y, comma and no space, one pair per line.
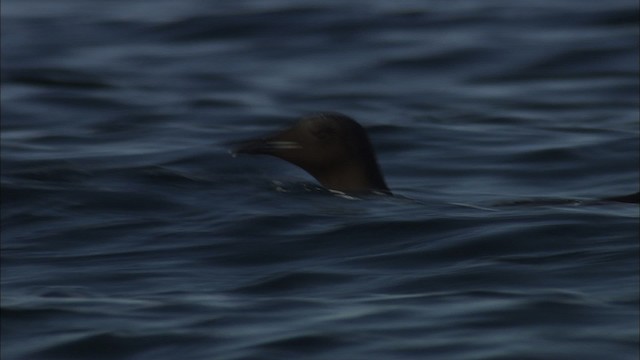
332,147
337,152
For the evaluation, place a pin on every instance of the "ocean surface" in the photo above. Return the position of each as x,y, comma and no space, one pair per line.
130,232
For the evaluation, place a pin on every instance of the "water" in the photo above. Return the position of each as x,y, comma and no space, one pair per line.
129,232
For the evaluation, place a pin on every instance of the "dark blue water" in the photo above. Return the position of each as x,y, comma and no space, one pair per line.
129,232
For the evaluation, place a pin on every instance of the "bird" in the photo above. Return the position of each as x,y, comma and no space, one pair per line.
331,147
336,151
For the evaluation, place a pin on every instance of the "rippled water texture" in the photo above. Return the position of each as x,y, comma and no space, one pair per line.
129,232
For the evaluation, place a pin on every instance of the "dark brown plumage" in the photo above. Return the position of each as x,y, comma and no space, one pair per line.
332,147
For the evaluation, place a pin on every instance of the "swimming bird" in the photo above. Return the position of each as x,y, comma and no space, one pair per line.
336,150
332,147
